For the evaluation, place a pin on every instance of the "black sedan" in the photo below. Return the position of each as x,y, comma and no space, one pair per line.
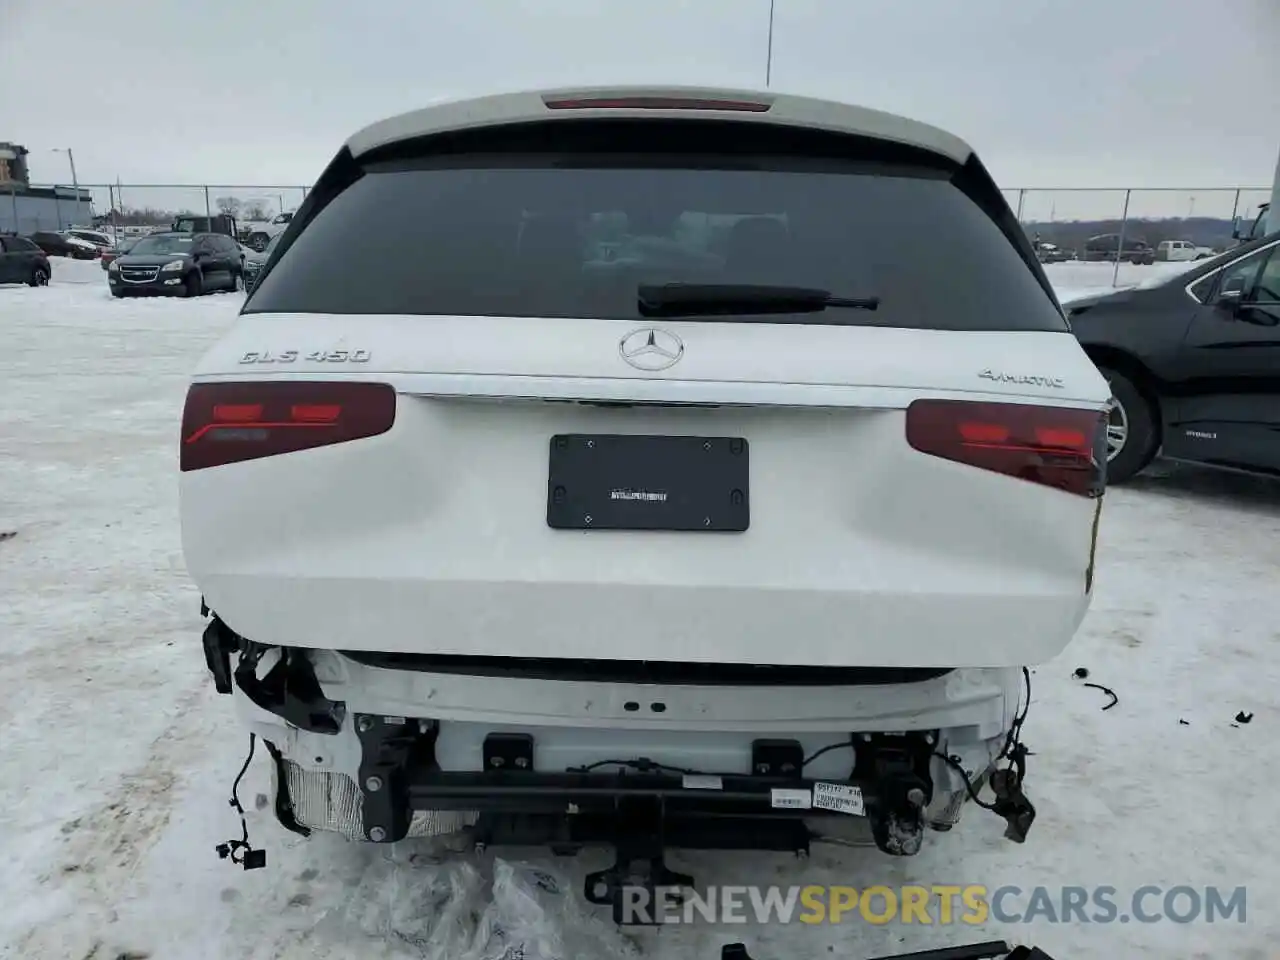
1193,361
60,245
21,261
178,264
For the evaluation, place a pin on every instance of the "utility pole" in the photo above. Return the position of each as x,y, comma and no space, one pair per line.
1273,213
75,182
768,62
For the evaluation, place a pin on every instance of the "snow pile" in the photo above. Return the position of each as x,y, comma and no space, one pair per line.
1076,279
448,909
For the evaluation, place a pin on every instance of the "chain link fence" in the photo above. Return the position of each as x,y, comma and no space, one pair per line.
1068,217
1065,217
131,208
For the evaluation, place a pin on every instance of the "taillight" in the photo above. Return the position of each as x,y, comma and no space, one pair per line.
656,103
231,422
1059,447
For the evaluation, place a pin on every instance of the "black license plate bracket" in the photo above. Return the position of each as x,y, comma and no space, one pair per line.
643,482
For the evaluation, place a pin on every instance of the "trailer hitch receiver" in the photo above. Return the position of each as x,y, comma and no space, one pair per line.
899,764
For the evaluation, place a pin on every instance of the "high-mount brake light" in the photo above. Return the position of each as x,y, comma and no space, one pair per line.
231,422
1059,447
655,103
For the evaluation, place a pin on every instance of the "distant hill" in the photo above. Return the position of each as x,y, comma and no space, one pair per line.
1203,231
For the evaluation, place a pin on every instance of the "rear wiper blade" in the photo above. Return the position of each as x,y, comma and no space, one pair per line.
713,299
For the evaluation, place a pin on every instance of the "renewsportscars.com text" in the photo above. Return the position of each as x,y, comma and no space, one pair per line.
939,904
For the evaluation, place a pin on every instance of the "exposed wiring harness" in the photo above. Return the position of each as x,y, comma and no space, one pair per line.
1010,802
239,851
640,765
645,765
827,749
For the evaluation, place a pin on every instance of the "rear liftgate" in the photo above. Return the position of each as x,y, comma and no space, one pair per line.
641,808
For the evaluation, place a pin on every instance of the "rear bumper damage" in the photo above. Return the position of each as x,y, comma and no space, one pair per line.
384,754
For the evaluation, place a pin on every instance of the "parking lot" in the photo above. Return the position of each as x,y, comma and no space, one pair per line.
111,722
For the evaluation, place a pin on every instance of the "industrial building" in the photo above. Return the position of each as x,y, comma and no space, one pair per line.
26,209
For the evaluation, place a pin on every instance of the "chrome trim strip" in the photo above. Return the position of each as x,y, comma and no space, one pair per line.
1221,267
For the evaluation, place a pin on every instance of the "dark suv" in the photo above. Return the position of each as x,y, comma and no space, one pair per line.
1107,246
178,264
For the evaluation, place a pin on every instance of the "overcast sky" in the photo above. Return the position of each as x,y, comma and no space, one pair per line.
1089,93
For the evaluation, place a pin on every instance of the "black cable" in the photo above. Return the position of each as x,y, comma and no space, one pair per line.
235,785
827,749
641,764
1015,729
240,852
1108,691
968,784
645,765
1012,746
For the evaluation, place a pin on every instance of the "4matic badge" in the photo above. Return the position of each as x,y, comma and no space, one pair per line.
314,356
1022,379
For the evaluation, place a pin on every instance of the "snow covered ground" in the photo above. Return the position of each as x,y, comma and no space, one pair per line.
116,757
1078,279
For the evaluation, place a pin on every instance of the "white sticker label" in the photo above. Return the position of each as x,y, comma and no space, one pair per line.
692,781
781,798
840,797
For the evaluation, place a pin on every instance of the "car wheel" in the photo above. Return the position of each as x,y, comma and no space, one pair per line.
117,294
1133,434
39,277
193,286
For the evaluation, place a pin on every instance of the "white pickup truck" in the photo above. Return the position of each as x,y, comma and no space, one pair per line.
1175,250
256,234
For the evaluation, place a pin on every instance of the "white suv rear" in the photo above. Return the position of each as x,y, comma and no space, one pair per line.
643,455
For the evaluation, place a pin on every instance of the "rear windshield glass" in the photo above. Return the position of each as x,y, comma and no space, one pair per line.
169,244
551,236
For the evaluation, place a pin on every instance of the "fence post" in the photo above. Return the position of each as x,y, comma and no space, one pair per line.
1235,209
208,211
13,199
1022,196
1124,222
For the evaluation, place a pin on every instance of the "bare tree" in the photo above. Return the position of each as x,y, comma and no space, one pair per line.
256,210
229,205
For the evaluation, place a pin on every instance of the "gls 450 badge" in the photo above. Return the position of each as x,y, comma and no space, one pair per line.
1022,379
315,356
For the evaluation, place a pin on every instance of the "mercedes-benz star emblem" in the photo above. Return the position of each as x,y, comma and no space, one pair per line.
651,349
